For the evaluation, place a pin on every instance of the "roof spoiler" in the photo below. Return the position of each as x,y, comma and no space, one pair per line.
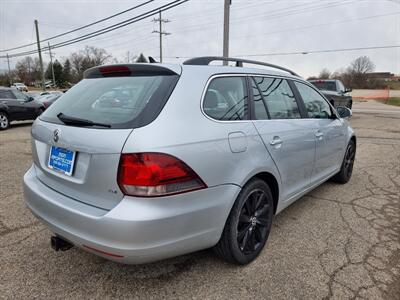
120,70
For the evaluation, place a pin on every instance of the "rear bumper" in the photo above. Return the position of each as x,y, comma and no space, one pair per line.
137,230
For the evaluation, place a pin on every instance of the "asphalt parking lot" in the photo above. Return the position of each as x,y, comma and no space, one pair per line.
339,241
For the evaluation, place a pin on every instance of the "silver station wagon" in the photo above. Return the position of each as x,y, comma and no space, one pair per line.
142,162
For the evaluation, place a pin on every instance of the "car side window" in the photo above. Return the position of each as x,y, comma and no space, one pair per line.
279,98
6,94
317,107
340,86
20,96
260,109
226,99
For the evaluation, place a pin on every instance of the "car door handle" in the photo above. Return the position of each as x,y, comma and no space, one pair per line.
319,134
275,141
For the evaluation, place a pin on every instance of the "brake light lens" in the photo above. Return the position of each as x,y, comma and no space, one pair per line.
115,71
156,174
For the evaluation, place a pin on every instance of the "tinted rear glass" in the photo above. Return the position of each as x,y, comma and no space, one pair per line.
325,85
121,102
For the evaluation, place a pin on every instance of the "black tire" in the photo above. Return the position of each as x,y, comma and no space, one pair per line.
4,121
249,223
346,169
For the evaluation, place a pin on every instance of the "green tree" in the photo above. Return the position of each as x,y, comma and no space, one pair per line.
48,74
141,59
58,73
67,76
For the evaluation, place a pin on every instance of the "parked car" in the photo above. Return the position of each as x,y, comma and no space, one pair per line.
49,98
334,90
34,95
17,106
142,162
20,86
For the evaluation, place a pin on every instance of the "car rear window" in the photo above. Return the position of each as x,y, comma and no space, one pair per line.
325,85
121,102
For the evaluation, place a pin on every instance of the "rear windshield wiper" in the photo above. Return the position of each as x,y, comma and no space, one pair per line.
67,120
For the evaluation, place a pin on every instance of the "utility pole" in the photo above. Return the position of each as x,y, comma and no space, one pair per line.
160,31
29,71
225,51
9,70
52,66
40,54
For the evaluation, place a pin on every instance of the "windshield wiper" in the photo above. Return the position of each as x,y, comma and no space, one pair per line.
67,120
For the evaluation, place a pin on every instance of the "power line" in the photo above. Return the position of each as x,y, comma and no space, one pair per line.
320,24
107,29
321,51
238,37
274,14
304,52
80,28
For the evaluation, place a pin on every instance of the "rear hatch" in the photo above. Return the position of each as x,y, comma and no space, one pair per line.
77,142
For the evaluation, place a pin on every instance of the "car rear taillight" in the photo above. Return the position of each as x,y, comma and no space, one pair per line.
156,174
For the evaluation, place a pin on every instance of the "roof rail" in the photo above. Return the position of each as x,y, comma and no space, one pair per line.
205,60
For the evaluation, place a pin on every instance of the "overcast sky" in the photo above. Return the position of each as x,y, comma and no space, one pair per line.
256,27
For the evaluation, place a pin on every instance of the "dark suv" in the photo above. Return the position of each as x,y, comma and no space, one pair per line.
334,91
17,106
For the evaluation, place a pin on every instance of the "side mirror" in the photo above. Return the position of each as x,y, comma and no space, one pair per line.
344,112
29,99
347,90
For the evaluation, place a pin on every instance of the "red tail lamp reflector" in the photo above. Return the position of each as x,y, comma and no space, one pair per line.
156,174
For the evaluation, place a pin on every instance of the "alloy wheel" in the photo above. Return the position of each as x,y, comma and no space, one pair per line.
3,121
252,227
349,160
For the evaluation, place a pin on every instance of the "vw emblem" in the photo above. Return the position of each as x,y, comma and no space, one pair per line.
56,135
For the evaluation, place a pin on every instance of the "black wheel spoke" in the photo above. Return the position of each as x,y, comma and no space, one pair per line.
251,240
258,234
262,222
245,239
260,199
262,210
242,233
248,207
244,218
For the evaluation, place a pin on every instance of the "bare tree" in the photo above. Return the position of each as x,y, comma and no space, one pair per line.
362,65
324,74
28,70
358,71
87,58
